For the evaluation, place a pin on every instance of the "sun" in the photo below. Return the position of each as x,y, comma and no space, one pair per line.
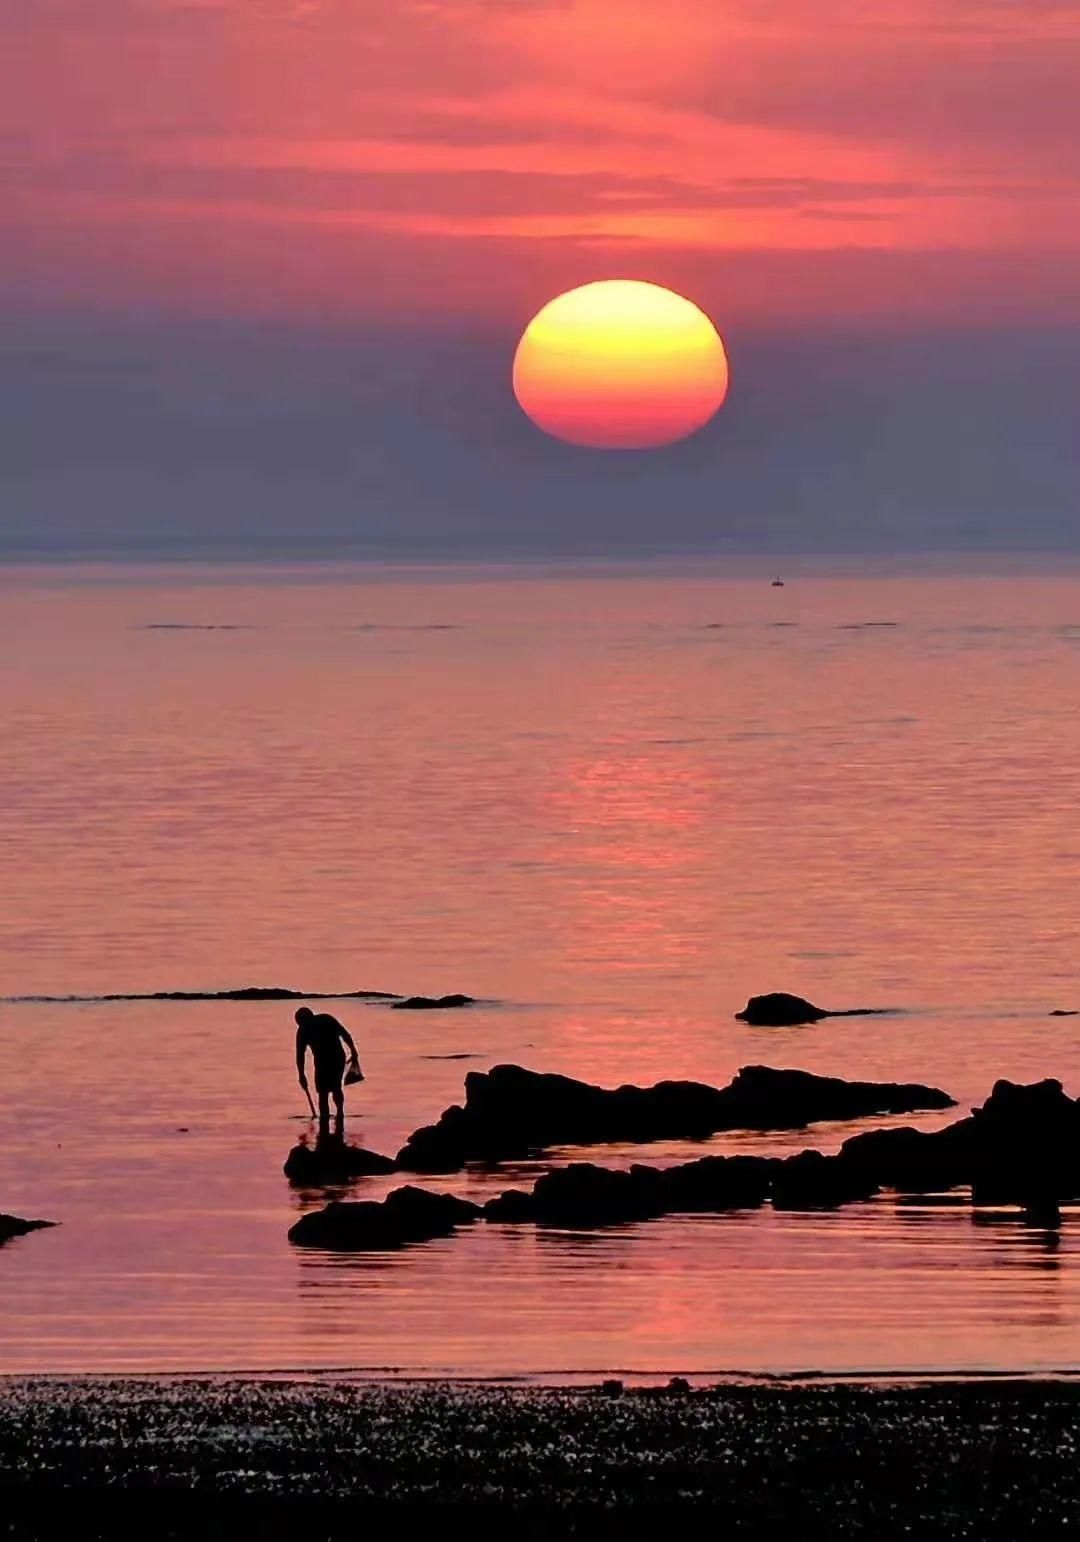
620,365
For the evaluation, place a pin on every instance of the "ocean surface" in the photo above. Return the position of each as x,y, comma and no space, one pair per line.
612,805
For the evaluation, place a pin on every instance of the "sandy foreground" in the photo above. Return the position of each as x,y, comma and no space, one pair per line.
238,1458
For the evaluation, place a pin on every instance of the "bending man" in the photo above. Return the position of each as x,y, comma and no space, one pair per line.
325,1037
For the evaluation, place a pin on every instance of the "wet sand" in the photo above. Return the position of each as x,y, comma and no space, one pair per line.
188,1458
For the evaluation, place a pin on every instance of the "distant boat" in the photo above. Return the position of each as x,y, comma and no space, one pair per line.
778,582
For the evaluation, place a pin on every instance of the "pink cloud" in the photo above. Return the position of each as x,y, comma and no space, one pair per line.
567,131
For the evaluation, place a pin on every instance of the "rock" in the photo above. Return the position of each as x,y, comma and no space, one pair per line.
767,1099
585,1195
778,1009
1026,1143
717,1183
15,1226
511,1112
433,1003
679,1386
332,1161
407,1215
812,1181
612,1388
1065,1012
510,1205
915,1161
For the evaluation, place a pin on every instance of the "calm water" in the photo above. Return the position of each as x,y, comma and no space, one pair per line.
613,806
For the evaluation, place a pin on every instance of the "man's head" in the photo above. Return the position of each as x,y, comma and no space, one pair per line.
303,1015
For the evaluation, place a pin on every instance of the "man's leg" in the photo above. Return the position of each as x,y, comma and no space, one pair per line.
324,1110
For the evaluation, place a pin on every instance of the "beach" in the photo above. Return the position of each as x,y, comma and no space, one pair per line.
323,1458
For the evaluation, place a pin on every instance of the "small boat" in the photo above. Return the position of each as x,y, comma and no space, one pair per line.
778,582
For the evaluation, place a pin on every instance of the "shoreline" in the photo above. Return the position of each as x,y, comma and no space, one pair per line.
986,1458
568,1380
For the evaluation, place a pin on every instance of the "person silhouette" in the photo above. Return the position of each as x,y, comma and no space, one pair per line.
325,1037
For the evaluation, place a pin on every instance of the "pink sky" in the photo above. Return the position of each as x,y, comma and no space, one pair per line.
374,158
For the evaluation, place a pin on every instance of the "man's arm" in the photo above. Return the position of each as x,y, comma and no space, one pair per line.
347,1036
301,1046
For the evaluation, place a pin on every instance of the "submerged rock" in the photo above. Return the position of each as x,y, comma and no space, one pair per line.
15,1226
510,1112
778,1009
433,1003
333,1161
404,1216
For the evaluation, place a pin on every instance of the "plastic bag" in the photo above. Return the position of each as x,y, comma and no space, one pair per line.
353,1074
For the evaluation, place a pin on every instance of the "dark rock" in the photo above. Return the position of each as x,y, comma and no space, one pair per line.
812,1181
612,1388
679,1386
1065,1012
439,1148
585,1195
405,1216
778,1009
15,1226
767,1099
1026,1146
717,1183
510,1205
511,1112
332,1161
433,1003
915,1161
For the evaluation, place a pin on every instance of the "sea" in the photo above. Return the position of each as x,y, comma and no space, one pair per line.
609,802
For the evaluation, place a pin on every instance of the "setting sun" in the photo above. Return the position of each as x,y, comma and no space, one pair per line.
620,364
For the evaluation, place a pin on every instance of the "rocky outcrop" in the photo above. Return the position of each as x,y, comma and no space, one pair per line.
1026,1146
1022,1147
510,1112
778,1009
405,1216
15,1226
914,1161
587,1195
333,1161
812,1181
433,1003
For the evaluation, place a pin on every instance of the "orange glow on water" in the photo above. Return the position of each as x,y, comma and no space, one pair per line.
620,364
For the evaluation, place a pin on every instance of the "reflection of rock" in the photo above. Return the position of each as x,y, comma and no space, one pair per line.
407,1215
15,1226
433,1003
332,1161
780,1010
510,1112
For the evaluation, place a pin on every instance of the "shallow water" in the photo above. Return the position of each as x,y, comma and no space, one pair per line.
612,806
